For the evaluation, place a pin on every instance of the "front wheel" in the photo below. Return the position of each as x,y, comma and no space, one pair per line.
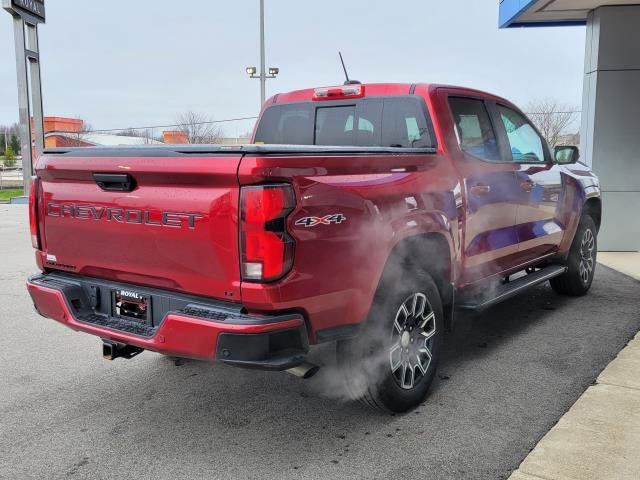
581,261
393,361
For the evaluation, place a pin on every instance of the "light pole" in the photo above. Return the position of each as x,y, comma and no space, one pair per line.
251,71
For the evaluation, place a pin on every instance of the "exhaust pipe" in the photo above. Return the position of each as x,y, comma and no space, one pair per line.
304,370
113,350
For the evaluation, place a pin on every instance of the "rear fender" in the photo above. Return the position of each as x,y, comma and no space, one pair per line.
428,245
426,233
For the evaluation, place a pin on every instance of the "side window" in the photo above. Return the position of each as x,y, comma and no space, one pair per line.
474,128
526,145
405,124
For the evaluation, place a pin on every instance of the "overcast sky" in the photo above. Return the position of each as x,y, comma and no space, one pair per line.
122,63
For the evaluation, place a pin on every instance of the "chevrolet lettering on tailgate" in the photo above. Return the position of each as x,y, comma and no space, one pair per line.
124,215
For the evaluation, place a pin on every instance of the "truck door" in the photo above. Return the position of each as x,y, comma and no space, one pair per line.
540,230
489,180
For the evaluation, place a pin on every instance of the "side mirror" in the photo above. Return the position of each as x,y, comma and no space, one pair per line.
566,155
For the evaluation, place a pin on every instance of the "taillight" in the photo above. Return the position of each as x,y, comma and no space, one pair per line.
266,248
33,212
341,92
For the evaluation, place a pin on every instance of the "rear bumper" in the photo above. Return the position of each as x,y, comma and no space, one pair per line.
183,325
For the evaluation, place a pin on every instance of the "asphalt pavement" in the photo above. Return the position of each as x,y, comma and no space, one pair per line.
507,377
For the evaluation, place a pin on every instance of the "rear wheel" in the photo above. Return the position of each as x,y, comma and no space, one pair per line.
392,363
581,262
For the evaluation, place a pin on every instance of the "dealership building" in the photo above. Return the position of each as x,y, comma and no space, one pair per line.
610,131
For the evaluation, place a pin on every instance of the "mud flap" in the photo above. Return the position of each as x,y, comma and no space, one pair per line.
448,307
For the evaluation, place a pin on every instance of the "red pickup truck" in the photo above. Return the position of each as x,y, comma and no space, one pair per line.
365,214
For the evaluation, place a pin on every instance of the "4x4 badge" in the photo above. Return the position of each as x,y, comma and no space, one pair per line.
334,219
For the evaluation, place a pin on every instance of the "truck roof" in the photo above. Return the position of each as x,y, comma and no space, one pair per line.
380,89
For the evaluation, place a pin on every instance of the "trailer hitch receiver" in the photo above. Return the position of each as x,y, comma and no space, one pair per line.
112,350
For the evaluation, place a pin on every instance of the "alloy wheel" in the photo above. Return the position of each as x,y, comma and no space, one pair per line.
587,251
412,340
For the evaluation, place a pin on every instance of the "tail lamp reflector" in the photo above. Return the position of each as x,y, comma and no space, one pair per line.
266,248
33,212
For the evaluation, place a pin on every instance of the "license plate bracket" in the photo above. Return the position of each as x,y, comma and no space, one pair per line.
131,305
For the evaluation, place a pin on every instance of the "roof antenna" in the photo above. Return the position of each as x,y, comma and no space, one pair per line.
347,81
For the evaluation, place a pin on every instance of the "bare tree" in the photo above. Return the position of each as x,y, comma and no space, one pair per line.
78,138
199,128
131,132
552,118
86,126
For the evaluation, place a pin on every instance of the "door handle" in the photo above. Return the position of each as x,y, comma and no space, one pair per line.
480,189
114,182
527,185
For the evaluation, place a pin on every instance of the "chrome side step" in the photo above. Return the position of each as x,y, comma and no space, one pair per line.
499,293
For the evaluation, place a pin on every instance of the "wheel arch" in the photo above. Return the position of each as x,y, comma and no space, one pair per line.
430,252
593,208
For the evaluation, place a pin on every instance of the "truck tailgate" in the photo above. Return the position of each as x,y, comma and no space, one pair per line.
176,227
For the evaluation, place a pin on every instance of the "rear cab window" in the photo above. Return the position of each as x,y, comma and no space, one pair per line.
398,121
286,124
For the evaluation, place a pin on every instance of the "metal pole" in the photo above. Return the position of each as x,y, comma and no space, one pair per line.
36,89
23,103
263,73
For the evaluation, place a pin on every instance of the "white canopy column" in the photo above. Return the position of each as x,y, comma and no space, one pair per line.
610,133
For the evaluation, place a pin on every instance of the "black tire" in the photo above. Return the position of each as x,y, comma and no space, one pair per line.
367,360
581,261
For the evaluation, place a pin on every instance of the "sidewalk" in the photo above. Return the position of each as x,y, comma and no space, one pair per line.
599,437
